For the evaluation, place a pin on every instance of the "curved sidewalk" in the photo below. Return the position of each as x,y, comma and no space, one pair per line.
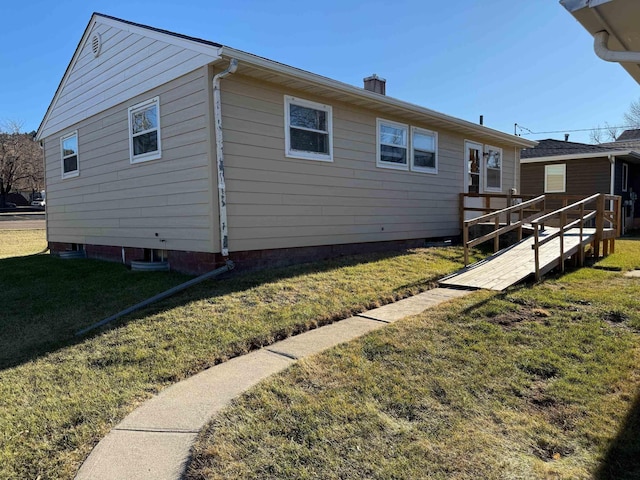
154,441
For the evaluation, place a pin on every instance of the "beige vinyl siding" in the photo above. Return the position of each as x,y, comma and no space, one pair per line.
129,64
279,202
113,202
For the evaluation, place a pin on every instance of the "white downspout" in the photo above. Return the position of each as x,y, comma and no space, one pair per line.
217,119
600,46
612,161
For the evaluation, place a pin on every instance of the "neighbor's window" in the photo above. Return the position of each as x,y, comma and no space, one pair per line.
144,131
69,151
493,168
555,178
308,130
424,148
625,177
392,145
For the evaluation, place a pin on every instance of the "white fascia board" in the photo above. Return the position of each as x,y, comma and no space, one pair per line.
76,54
375,97
577,156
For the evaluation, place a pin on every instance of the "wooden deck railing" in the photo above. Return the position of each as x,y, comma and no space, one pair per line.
603,216
489,202
495,218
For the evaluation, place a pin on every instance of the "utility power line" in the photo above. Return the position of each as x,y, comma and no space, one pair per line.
529,132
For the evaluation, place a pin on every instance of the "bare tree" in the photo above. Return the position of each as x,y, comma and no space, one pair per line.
21,161
632,116
608,133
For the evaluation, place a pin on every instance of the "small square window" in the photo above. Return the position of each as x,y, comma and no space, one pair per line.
392,145
424,150
555,178
69,155
144,131
308,130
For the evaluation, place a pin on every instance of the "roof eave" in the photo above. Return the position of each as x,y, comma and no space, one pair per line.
345,88
581,156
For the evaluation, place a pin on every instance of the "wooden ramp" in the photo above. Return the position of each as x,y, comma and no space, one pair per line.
513,264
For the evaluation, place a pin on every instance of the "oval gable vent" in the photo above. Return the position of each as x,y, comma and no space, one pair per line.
96,44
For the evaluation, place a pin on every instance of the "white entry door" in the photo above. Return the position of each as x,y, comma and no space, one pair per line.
473,176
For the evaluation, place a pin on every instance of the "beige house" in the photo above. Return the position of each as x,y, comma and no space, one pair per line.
159,144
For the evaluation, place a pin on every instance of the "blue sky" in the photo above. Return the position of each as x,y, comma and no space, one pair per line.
525,62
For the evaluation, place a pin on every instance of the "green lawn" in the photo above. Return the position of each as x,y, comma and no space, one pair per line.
538,382
59,395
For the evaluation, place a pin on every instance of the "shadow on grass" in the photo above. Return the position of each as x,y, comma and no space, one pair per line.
44,300
622,460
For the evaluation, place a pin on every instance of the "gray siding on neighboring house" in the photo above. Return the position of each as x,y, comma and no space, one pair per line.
113,202
583,177
280,202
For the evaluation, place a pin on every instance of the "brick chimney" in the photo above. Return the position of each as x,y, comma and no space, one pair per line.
375,84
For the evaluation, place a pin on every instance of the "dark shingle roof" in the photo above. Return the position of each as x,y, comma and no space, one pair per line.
160,30
550,148
633,134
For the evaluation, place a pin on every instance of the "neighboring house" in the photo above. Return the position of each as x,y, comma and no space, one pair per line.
311,167
556,166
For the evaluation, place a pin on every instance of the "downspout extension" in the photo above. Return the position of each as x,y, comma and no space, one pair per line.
600,46
217,119
161,296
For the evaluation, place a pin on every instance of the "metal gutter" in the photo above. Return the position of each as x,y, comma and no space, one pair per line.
581,156
326,82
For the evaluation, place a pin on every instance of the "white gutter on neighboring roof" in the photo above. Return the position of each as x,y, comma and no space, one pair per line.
580,156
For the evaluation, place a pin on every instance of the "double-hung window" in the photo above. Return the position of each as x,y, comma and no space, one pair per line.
144,131
493,168
424,148
555,178
392,140
308,130
69,154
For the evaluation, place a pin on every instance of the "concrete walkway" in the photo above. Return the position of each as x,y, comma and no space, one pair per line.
154,441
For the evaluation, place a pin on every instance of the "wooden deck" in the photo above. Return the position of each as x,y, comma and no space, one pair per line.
513,264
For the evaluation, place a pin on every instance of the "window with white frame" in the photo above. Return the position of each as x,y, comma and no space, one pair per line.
493,168
393,145
308,130
625,177
424,150
69,155
144,131
555,178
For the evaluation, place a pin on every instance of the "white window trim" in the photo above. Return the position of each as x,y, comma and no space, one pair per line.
485,150
625,177
564,178
145,157
291,153
76,172
380,163
415,168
